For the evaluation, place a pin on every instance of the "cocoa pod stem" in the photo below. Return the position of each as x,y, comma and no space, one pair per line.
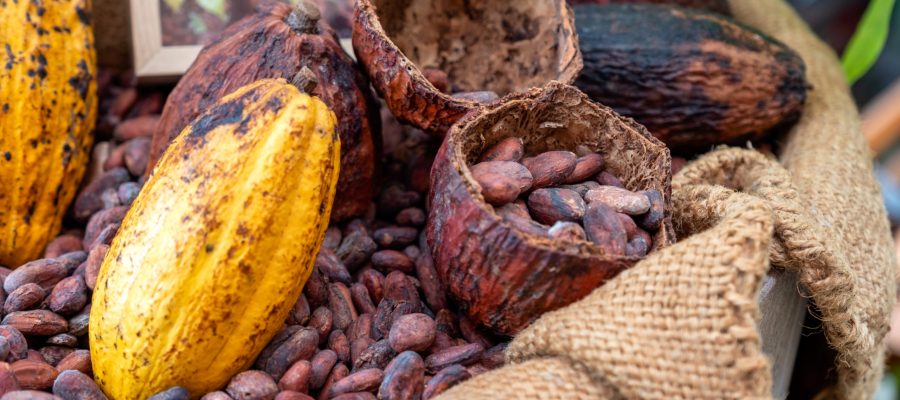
305,80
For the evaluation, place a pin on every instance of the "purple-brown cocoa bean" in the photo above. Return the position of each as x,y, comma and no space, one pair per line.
7,379
604,228
339,372
92,265
291,395
355,249
445,379
501,181
494,357
392,260
412,216
412,332
75,385
68,296
358,346
564,230
89,200
470,332
25,297
79,360
322,321
399,287
621,200
252,385
34,375
332,238
374,282
550,168
607,179
361,327
300,346
361,299
395,237
54,354
143,126
18,347
300,312
332,267
297,377
29,395
62,244
462,354
652,220
36,322
45,272
101,220
341,304
137,154
509,149
586,166
377,355
63,339
320,366
316,290
435,296
172,393
549,205
338,342
404,378
364,380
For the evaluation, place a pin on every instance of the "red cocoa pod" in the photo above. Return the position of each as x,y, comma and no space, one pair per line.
218,395
509,149
567,231
501,182
300,312
332,238
404,378
412,332
332,267
320,367
316,289
34,375
18,347
297,377
374,282
252,385
25,297
99,221
54,354
338,342
68,296
462,354
292,395
470,332
92,265
392,64
494,357
549,205
276,41
395,236
143,126
364,380
550,168
400,287
300,346
412,216
339,372
435,296
586,166
604,228
653,218
89,199
137,152
358,346
322,321
79,360
361,328
341,305
392,260
36,322
361,299
72,384
29,395
437,78
445,379
620,200
63,339
7,379
607,179
45,272
62,244
377,355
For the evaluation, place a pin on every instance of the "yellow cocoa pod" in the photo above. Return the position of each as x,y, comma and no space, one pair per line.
48,106
218,245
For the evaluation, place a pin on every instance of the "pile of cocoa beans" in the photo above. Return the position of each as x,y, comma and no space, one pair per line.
568,196
373,319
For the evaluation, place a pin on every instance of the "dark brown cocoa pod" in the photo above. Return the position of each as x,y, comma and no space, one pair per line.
404,378
322,320
505,54
300,312
252,385
89,200
341,305
377,355
79,360
300,346
719,6
54,354
364,380
45,272
682,71
36,322
501,182
509,149
361,299
392,260
68,296
550,205
653,218
445,379
18,347
320,366
604,228
75,385
550,168
374,282
332,267
412,332
395,236
435,296
34,375
476,250
62,244
462,354
99,221
292,38
340,344
337,373
25,297
297,377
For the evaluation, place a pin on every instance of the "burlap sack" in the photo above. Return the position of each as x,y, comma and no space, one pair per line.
682,323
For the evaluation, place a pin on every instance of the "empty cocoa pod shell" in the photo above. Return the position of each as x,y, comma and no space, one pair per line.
497,46
501,276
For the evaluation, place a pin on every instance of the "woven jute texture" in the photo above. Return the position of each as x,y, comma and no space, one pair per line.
682,323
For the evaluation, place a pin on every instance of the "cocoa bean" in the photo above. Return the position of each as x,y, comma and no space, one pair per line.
412,332
252,385
484,96
377,355
470,332
393,260
110,198
365,380
338,342
437,78
581,188
446,322
45,272
299,312
331,267
7,379
355,396
509,149
550,205
143,126
361,328
292,395
605,229
567,231
526,225
435,296
395,236
101,220
54,354
501,181
316,290
476,369
74,385
34,355
79,360
341,305
123,103
18,347
607,179
355,249
516,208
92,268
494,357
339,372
399,287
621,200
550,168
386,313
62,244
89,199
445,379
106,235
321,321
300,346
4,348
63,339
116,159
218,395
36,322
78,325
652,220
404,378
462,354
297,377
361,299
35,375
332,238
358,346
374,282
412,216
25,297
628,223
412,251
586,166
395,198
68,296
29,395
172,393
320,367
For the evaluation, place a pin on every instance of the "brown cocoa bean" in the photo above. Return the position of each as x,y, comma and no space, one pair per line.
581,188
18,347
386,313
45,272
374,282
36,322
106,235
123,103
361,299
110,198
68,296
322,321
586,166
89,200
355,249
437,78
116,159
470,332
377,355
365,380
445,379
607,179
476,369
338,342
92,265
501,181
341,305
412,251
339,372
300,312
63,339
550,168
300,346
172,393
509,149
54,354
101,220
29,395
435,296
494,357
462,354
395,237
483,96
395,198
526,225
316,290
62,244
143,126
355,396
297,377
331,267
252,385
292,395
605,229
78,325
392,260
218,395
412,216
570,231
320,367
358,346
34,355
361,327
550,205
652,220
34,375
25,297
446,321
7,379
137,154
621,200
628,223
79,360
412,332
75,385
4,348
399,287
332,238
404,378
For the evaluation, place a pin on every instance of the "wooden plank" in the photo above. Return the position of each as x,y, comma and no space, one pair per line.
783,309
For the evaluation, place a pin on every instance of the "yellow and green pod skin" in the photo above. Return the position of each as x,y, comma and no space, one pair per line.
218,245
48,107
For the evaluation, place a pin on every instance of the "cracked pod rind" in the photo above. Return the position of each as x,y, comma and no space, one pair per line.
413,99
504,278
263,45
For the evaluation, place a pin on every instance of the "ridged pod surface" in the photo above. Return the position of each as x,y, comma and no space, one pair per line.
217,246
48,107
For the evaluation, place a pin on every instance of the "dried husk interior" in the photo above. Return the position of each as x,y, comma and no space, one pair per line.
560,117
502,46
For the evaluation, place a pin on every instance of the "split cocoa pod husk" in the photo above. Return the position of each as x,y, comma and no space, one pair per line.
278,41
504,277
497,46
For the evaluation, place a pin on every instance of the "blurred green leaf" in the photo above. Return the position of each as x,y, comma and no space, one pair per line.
175,5
867,42
215,7
195,22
